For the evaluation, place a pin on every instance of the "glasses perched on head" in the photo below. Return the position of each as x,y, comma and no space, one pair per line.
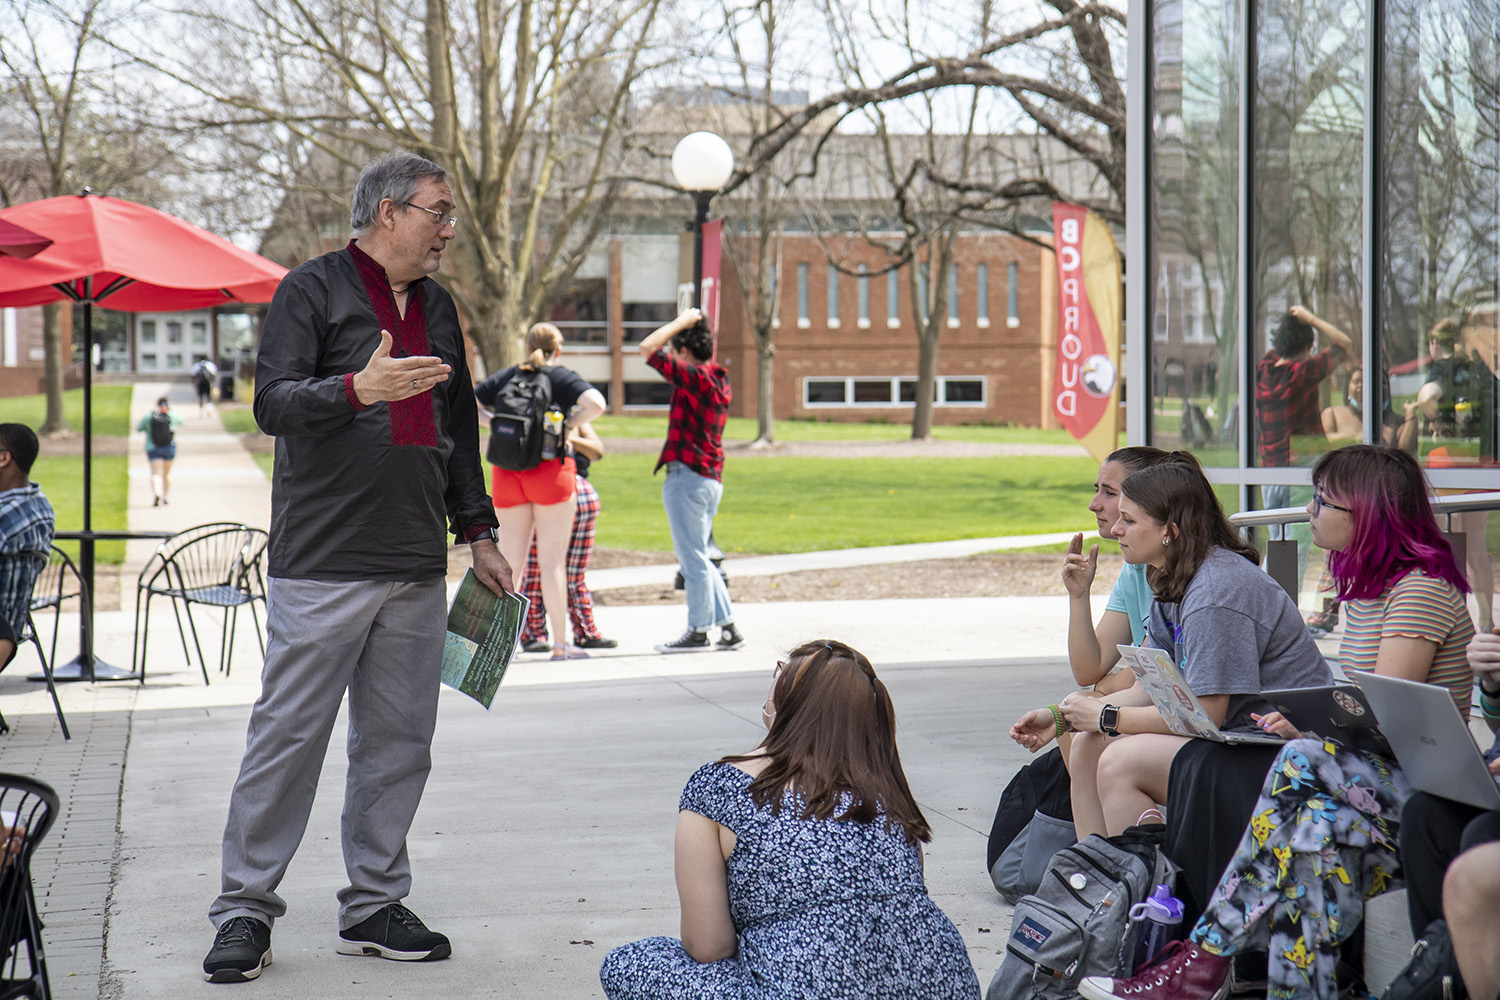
442,219
1319,503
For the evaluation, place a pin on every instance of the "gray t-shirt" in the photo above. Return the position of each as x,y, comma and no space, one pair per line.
1236,632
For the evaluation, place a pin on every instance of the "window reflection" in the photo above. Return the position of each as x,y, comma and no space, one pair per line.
1195,167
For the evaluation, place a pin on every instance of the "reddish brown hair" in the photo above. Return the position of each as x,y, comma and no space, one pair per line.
835,732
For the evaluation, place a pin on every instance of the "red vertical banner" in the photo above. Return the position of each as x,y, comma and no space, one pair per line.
713,232
1086,379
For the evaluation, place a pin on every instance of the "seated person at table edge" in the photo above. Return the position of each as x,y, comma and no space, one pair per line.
26,525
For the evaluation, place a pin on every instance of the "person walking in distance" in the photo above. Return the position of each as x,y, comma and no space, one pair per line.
205,374
160,426
363,382
682,351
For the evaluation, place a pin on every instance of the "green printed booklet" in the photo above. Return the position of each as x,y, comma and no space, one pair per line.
483,630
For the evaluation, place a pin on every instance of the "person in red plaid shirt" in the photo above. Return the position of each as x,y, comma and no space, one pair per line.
1286,404
683,351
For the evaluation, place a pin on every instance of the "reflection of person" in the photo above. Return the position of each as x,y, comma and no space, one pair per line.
1286,404
540,500
1230,627
26,526
205,374
160,426
363,382
683,351
1323,836
587,449
1450,404
799,864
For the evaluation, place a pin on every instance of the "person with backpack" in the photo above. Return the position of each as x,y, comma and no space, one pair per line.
160,426
532,406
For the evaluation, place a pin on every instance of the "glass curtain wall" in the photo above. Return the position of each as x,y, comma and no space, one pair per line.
1321,173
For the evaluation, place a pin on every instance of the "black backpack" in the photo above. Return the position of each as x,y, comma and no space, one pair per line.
161,429
518,427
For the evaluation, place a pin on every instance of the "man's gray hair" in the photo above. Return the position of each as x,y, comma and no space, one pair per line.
394,176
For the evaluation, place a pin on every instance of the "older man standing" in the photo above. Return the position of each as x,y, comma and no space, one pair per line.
363,383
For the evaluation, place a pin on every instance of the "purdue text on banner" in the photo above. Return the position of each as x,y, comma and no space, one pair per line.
1086,383
482,631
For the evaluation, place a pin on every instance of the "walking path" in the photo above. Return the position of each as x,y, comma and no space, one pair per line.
545,836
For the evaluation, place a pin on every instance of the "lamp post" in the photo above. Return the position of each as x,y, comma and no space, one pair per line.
701,163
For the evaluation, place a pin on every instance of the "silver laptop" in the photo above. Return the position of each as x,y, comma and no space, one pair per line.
1169,691
1432,742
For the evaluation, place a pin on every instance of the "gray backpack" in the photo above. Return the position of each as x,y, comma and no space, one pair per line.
1077,923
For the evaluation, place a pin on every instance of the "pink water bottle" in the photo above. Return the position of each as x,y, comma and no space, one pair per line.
1159,914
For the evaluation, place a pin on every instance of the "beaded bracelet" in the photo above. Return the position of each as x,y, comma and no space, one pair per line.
1057,718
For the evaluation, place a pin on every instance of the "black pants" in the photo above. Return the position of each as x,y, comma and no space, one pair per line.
1434,831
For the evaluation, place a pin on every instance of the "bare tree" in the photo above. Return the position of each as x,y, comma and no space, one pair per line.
61,106
526,104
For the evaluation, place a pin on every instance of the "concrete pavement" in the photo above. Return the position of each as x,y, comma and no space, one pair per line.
545,837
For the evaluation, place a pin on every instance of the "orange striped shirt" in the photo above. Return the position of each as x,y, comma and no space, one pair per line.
1417,606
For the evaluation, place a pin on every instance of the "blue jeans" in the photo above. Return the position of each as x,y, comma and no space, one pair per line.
692,501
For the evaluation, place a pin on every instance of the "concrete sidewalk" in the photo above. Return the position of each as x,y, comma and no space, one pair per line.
545,837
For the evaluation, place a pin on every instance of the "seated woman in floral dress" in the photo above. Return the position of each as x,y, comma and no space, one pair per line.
799,864
1323,835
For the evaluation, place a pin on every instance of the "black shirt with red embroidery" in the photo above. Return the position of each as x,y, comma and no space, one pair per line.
365,492
700,405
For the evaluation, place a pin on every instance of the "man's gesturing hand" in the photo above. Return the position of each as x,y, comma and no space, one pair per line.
387,379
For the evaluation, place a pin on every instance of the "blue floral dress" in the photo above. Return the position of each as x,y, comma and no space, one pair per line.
825,909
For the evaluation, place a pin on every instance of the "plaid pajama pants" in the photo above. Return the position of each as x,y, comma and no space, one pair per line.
580,547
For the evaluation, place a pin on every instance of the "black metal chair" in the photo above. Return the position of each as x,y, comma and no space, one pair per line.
28,809
59,581
40,567
217,565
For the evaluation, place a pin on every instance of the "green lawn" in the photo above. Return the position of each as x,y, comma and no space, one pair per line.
61,477
781,504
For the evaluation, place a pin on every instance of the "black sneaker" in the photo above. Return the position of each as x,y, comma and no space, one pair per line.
730,638
689,642
242,947
536,646
396,933
596,643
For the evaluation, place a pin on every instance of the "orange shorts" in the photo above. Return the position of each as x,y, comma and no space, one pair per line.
549,483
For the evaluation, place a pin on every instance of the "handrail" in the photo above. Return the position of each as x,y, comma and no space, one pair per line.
1458,503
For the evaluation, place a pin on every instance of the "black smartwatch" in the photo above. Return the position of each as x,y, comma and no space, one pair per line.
488,533
1109,720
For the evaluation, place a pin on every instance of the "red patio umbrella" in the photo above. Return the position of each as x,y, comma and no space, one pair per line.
18,242
129,257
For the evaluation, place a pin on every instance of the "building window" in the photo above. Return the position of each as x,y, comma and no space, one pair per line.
648,394
833,296
804,316
174,332
982,295
892,299
148,360
863,284
953,295
1012,297
824,392
148,332
199,330
174,360
889,392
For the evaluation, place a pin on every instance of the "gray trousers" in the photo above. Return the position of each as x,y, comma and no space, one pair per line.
383,643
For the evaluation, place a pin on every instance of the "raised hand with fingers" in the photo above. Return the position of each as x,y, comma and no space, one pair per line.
1079,569
386,379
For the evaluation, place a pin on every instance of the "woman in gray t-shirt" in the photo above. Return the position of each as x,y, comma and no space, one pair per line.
1230,627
